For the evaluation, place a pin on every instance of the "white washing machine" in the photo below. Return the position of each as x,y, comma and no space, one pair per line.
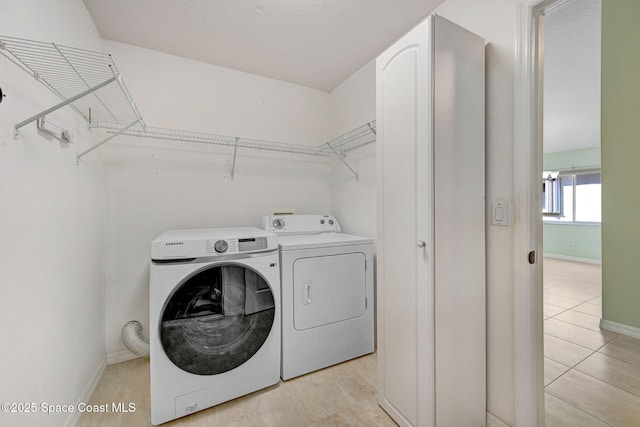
327,292
214,304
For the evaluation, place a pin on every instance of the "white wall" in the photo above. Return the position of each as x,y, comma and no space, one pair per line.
154,186
353,103
354,201
179,93
51,225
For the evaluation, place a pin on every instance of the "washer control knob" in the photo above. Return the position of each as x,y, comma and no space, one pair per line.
330,222
278,223
322,221
221,246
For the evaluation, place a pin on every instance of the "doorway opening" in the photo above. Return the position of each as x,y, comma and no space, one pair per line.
579,323
571,200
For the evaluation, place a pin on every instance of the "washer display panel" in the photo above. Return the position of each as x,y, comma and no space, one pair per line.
217,319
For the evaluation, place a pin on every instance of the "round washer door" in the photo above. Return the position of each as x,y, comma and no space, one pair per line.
217,319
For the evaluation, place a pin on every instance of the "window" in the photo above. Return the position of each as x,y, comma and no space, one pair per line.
571,196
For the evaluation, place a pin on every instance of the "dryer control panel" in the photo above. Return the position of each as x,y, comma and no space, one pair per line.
300,224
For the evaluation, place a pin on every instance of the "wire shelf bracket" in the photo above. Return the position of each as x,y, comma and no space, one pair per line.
235,151
87,81
107,139
62,104
355,138
341,157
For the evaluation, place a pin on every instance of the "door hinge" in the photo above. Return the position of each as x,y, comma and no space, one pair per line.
532,257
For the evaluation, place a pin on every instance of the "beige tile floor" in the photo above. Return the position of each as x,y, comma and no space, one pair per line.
341,395
592,376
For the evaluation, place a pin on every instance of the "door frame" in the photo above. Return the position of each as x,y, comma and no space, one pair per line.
528,304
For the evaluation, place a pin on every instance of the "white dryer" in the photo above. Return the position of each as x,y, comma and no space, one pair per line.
327,292
214,304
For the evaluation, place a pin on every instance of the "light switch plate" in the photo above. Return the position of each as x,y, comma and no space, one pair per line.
500,213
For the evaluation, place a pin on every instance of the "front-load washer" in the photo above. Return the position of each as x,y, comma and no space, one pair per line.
214,311
327,292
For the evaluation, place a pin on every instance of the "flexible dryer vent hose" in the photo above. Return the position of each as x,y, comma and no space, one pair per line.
133,339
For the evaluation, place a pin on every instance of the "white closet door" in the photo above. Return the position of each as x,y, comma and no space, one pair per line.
405,311
431,227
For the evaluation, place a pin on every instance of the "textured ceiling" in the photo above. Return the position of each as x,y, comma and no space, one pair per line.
314,43
572,76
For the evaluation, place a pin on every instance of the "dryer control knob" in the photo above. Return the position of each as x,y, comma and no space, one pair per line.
278,223
221,246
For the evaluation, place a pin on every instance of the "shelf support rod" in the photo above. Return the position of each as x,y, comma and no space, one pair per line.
63,103
343,161
372,129
235,151
104,141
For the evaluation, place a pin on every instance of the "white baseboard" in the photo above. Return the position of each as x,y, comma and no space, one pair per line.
87,393
120,356
493,421
619,328
573,258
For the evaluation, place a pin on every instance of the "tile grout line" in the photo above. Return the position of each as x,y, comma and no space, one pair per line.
581,410
571,367
601,380
587,329
637,365
565,310
583,301
588,301
578,345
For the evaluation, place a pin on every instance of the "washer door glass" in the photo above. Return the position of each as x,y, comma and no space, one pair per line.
217,319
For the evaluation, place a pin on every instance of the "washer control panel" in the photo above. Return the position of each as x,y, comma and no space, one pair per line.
252,244
248,244
221,246
181,244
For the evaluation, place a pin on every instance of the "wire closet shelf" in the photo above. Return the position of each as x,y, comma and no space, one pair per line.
91,84
356,138
87,81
